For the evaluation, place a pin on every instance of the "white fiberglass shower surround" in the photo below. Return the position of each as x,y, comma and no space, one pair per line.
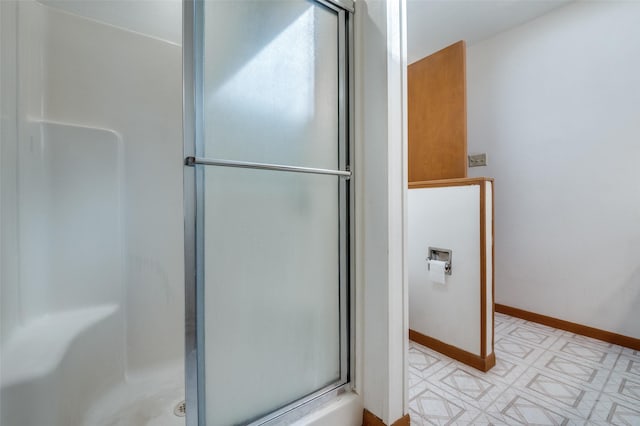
92,269
110,215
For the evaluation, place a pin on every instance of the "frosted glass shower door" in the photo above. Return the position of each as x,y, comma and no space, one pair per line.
272,206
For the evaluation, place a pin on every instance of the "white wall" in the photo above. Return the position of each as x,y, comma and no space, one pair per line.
447,218
155,18
380,179
555,105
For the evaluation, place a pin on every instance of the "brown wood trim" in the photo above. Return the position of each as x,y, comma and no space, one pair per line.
403,421
490,361
479,363
483,271
370,419
465,114
493,268
449,182
595,333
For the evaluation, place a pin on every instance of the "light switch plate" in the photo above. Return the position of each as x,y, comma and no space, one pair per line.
476,160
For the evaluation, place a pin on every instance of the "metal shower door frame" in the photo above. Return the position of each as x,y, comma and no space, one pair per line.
193,129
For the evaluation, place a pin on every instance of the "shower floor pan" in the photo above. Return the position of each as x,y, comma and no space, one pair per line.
148,399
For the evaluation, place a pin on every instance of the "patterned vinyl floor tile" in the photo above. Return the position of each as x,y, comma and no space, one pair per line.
624,387
630,353
543,376
613,411
628,366
571,369
544,328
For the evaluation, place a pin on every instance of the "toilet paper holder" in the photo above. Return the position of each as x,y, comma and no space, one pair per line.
440,254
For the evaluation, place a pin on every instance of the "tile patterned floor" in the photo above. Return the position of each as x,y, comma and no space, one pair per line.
543,376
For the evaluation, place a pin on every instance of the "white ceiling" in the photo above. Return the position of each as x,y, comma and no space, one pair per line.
434,24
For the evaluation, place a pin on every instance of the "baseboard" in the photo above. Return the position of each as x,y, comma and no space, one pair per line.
370,419
472,360
584,330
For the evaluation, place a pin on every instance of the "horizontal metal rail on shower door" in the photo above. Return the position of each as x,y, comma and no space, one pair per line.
193,161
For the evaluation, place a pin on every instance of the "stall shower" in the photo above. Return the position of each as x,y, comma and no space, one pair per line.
173,200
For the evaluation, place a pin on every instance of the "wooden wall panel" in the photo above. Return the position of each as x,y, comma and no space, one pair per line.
437,115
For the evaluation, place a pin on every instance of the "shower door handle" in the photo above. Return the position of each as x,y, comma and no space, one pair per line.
193,161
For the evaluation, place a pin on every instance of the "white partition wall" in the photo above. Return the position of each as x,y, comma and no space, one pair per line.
454,317
446,218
